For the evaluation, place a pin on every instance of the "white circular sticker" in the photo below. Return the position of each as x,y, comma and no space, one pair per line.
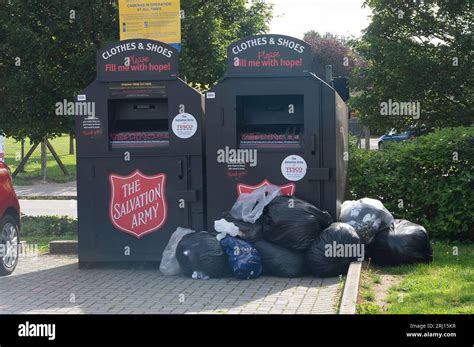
293,168
184,125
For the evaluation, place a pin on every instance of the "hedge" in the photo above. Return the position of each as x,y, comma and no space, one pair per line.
428,180
47,225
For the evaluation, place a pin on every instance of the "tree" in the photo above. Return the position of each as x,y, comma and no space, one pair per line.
330,49
209,27
416,51
48,47
47,54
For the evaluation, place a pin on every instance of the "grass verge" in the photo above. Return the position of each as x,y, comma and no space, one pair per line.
446,286
366,302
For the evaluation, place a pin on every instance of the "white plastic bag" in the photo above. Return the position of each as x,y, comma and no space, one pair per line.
225,228
249,206
169,264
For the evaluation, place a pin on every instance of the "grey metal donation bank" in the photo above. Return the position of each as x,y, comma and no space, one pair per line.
139,156
270,120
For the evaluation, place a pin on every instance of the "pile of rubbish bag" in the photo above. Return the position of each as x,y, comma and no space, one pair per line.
265,233
403,242
293,223
388,241
334,250
200,255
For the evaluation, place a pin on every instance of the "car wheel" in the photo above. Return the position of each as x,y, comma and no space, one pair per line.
9,245
381,145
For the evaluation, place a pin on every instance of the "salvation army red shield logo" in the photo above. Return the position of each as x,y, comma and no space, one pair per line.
138,203
287,189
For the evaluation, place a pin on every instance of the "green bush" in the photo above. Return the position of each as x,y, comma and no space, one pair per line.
428,181
47,226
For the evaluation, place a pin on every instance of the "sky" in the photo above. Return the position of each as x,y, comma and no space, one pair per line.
342,17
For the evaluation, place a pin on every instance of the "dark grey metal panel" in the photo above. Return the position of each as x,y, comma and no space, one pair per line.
99,240
178,94
182,162
321,151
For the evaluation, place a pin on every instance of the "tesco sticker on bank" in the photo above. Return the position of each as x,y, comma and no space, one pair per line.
138,203
293,168
184,125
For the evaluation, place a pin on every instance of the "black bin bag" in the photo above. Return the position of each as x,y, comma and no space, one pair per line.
334,250
403,243
293,223
280,262
202,255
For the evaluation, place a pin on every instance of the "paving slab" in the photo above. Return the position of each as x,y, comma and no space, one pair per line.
48,190
49,208
54,284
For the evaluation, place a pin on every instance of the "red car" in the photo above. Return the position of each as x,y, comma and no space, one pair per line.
9,223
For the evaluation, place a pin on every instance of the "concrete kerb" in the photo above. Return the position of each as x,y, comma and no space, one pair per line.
63,247
351,289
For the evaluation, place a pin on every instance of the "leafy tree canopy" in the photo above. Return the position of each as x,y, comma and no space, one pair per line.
47,52
209,27
330,49
416,51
